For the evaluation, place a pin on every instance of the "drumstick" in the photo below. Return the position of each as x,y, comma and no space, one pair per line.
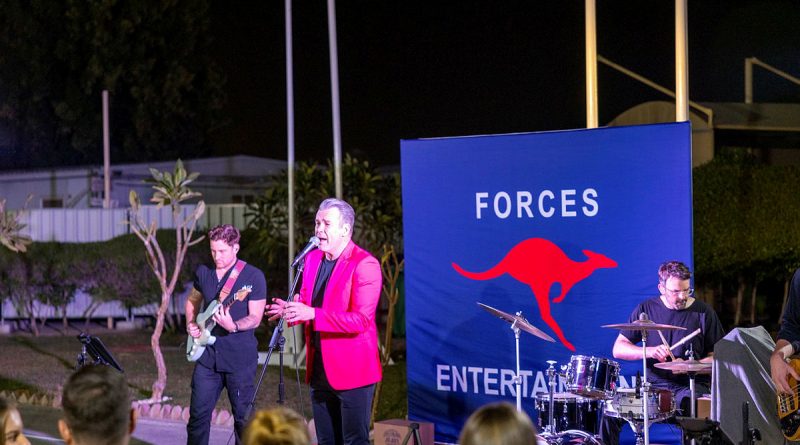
685,339
664,340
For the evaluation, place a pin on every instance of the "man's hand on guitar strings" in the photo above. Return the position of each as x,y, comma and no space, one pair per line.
223,318
781,371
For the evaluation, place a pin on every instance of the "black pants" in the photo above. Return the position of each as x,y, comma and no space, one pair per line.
342,417
207,385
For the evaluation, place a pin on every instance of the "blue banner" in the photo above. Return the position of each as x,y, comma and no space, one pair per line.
566,227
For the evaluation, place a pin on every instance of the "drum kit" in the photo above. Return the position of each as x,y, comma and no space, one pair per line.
575,417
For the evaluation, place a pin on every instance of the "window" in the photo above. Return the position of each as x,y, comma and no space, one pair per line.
242,199
52,203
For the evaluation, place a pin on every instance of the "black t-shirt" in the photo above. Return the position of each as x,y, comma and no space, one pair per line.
790,324
698,315
231,351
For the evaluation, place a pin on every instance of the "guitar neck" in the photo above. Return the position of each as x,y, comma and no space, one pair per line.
229,302
238,296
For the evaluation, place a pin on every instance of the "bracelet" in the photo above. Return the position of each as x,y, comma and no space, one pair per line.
795,348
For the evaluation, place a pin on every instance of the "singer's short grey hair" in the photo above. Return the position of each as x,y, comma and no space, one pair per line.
345,209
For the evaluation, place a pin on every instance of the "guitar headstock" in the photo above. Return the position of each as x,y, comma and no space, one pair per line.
243,292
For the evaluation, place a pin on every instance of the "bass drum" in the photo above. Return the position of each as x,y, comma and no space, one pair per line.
568,437
570,412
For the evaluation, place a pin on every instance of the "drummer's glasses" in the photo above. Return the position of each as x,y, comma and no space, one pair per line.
685,293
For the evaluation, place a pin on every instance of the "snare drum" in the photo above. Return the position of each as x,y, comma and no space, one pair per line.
593,377
570,412
626,405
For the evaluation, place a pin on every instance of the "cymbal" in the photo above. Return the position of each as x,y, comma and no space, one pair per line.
520,321
644,325
686,366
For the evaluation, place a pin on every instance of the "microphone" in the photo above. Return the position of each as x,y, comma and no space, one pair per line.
643,317
313,243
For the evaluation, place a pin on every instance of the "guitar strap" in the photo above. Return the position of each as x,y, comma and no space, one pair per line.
226,289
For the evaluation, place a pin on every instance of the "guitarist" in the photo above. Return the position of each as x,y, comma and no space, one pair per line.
232,360
788,343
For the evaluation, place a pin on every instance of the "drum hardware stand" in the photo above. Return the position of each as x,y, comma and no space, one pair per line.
518,377
692,396
692,375
551,383
644,325
518,323
645,389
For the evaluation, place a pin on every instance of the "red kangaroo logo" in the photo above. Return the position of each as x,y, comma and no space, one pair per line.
539,263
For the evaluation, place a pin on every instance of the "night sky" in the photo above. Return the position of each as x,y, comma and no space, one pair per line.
414,69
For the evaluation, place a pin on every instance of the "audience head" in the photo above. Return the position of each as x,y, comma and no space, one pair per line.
277,426
498,424
97,408
11,424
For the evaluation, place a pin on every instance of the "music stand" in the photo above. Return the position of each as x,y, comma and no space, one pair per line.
95,348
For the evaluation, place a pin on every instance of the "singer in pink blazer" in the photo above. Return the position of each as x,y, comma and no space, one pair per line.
346,320
337,301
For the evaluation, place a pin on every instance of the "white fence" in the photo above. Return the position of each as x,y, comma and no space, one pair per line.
81,307
91,225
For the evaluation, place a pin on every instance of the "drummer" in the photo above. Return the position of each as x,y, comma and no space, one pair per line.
675,306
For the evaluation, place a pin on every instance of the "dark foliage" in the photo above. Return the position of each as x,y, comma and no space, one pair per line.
56,57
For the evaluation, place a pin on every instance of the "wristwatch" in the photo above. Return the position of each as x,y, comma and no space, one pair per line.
235,327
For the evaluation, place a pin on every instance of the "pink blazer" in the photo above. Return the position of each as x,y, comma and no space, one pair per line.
346,320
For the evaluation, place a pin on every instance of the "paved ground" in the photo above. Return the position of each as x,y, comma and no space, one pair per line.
41,428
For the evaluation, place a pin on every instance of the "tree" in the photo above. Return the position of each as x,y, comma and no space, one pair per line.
391,268
746,228
375,198
54,275
170,190
16,283
12,238
11,230
57,57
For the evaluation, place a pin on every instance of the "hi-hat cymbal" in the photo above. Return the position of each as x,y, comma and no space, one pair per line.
520,321
644,325
686,366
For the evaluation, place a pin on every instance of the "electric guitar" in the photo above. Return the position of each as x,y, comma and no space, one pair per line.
788,406
196,346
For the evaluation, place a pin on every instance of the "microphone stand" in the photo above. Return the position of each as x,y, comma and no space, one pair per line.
277,341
